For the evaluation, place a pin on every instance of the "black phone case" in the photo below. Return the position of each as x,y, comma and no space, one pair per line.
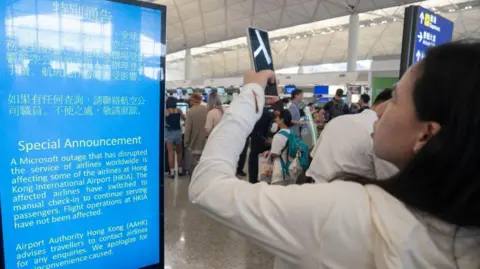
271,90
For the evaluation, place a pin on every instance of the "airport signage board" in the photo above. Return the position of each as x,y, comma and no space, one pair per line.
431,30
422,30
81,94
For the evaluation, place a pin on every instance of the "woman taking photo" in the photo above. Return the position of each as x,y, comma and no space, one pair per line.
173,135
426,216
215,112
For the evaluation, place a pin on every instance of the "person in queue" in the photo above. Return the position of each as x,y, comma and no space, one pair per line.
426,216
311,107
364,102
336,107
195,135
354,154
283,121
261,138
295,111
215,112
173,135
319,120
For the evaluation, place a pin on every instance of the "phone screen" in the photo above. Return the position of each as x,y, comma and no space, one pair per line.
262,55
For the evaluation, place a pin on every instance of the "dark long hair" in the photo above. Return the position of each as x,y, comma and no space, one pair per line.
286,116
171,102
443,178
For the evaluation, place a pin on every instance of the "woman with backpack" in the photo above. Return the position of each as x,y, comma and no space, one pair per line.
279,151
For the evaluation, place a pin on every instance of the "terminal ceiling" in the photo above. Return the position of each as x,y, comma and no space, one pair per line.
324,40
192,23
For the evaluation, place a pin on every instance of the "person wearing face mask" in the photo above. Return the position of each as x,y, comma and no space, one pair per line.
425,217
311,108
346,146
281,129
319,120
260,139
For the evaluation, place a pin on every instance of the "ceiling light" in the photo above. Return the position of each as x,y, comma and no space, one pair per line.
433,8
282,40
394,19
297,37
383,22
451,10
361,25
314,34
373,24
304,36
468,7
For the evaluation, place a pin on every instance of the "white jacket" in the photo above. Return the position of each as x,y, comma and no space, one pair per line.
325,225
346,145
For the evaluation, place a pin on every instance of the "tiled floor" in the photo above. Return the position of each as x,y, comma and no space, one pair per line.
193,240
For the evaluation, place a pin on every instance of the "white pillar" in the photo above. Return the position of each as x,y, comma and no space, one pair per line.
188,64
300,70
353,43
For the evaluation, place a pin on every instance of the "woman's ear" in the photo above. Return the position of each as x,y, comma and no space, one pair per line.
431,129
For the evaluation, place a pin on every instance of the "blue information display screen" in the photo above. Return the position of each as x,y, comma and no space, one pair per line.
80,96
319,89
431,30
289,89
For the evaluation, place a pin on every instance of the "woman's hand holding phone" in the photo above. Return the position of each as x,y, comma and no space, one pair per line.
262,78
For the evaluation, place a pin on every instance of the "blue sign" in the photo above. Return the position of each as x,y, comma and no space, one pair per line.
320,89
431,30
81,85
290,88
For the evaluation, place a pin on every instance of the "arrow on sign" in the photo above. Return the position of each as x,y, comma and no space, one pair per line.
418,55
422,17
420,37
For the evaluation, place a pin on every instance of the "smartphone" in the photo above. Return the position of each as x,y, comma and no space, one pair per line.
261,55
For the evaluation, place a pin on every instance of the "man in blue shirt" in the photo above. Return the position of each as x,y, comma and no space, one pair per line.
297,97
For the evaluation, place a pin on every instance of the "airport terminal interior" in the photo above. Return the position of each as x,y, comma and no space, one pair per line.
312,47
80,84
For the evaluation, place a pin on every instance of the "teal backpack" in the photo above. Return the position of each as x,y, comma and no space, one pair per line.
297,155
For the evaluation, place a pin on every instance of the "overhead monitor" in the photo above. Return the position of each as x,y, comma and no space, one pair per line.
183,107
422,29
208,91
221,90
354,89
355,98
190,91
82,90
289,89
319,99
180,92
320,89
